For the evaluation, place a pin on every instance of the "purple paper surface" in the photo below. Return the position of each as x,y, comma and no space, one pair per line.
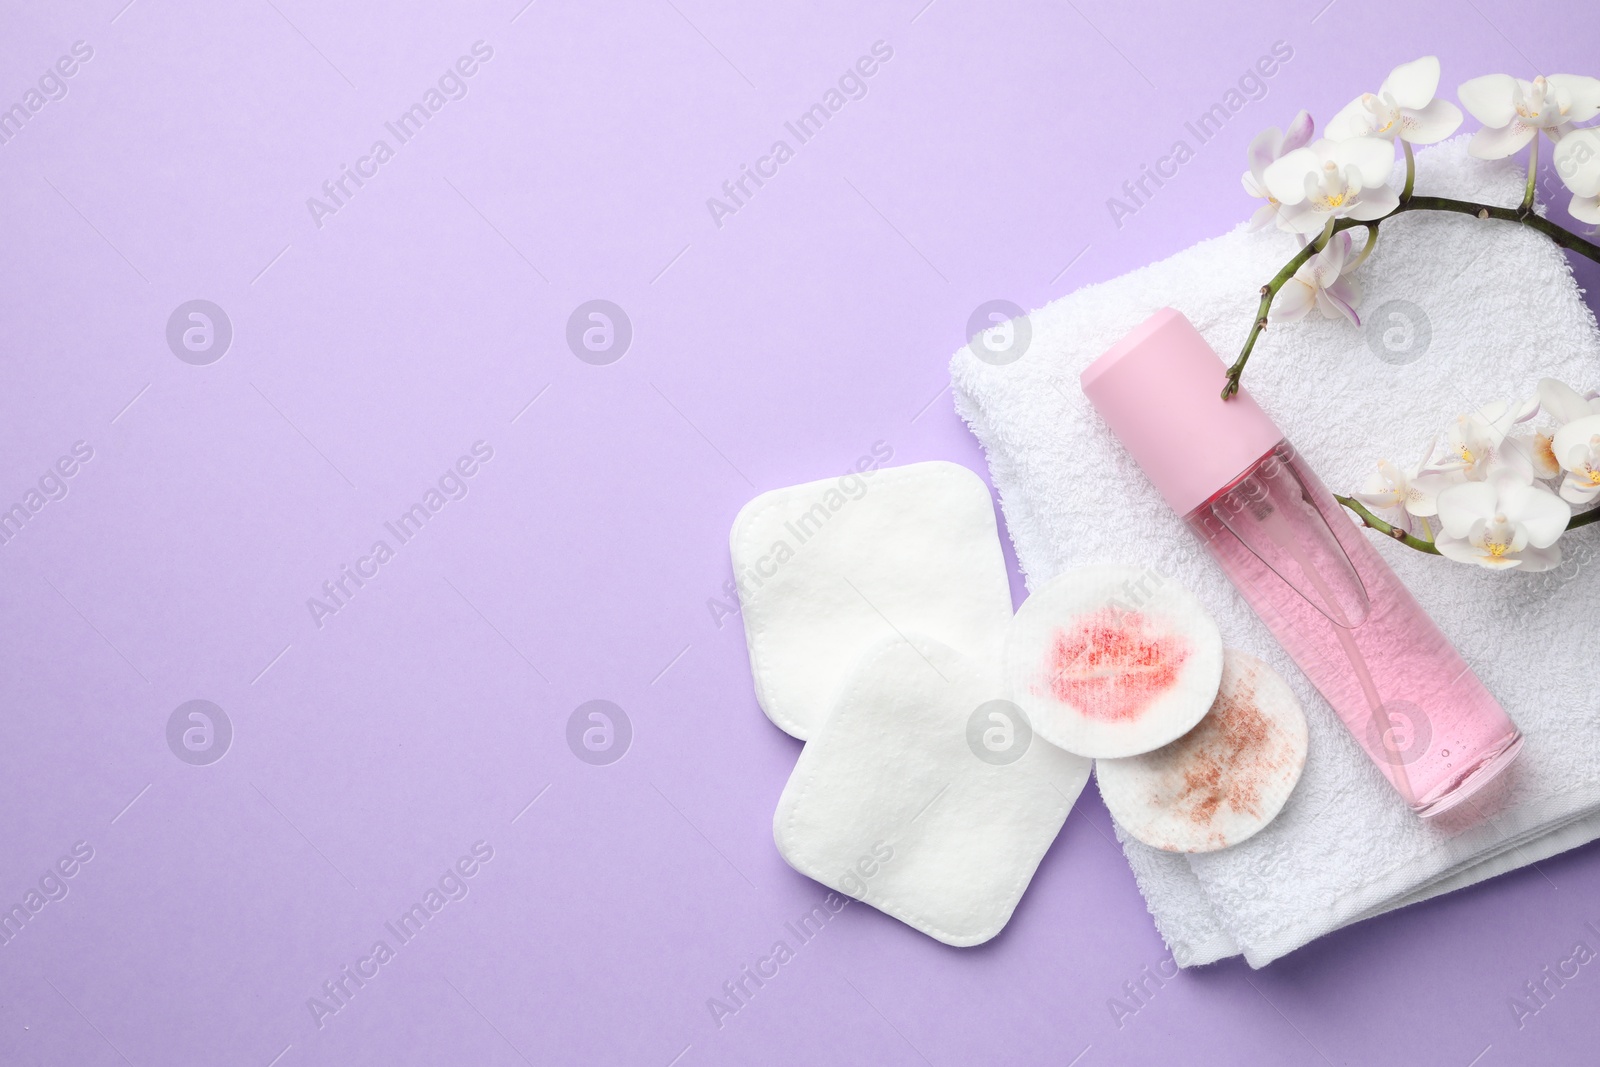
394,358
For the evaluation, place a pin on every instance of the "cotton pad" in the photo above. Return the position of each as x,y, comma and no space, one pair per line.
925,796
827,568
1113,661
1222,781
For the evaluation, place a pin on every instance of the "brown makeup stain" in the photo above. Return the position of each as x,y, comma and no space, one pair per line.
1221,765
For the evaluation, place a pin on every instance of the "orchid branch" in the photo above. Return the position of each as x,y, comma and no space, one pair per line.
1324,237
1372,522
1366,249
1268,291
1533,169
1523,215
1497,507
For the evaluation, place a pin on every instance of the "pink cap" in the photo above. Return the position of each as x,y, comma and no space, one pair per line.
1160,391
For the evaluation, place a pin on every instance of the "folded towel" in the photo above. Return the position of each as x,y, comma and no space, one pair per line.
1491,307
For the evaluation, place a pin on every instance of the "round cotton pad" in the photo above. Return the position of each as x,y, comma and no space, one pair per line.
1113,661
1222,781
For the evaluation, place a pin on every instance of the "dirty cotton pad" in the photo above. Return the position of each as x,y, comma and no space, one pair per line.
925,796
1222,781
827,568
1113,661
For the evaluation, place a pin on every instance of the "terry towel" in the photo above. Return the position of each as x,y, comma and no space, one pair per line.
1491,307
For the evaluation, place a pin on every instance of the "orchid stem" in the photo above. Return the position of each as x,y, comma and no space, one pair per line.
1533,172
1523,215
1327,234
1371,521
1366,249
1566,239
1411,172
1268,291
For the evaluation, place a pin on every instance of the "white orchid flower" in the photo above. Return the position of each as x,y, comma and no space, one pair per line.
1386,488
1578,163
1269,146
1514,111
1333,180
1482,445
1320,283
1577,449
1564,405
1502,523
1403,107
1414,491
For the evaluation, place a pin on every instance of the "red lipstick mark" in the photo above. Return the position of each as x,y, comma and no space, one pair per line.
1111,667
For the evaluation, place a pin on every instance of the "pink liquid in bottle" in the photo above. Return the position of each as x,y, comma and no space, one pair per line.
1391,676
1389,673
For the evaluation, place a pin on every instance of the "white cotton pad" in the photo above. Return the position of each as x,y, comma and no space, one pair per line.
827,568
1113,661
925,796
1222,781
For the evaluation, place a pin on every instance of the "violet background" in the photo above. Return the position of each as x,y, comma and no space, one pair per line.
426,715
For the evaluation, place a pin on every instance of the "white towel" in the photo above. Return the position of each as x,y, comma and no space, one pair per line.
1503,311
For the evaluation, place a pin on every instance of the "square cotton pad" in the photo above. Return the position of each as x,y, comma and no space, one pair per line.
827,568
924,796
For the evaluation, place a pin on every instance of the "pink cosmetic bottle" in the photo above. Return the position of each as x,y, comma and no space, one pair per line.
1391,676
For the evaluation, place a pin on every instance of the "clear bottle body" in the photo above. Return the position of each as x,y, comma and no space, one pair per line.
1390,674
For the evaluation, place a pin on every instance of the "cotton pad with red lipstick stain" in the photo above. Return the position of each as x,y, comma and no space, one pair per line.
1113,661
1221,782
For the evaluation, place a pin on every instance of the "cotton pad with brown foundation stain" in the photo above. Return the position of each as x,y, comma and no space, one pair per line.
1222,781
1113,661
